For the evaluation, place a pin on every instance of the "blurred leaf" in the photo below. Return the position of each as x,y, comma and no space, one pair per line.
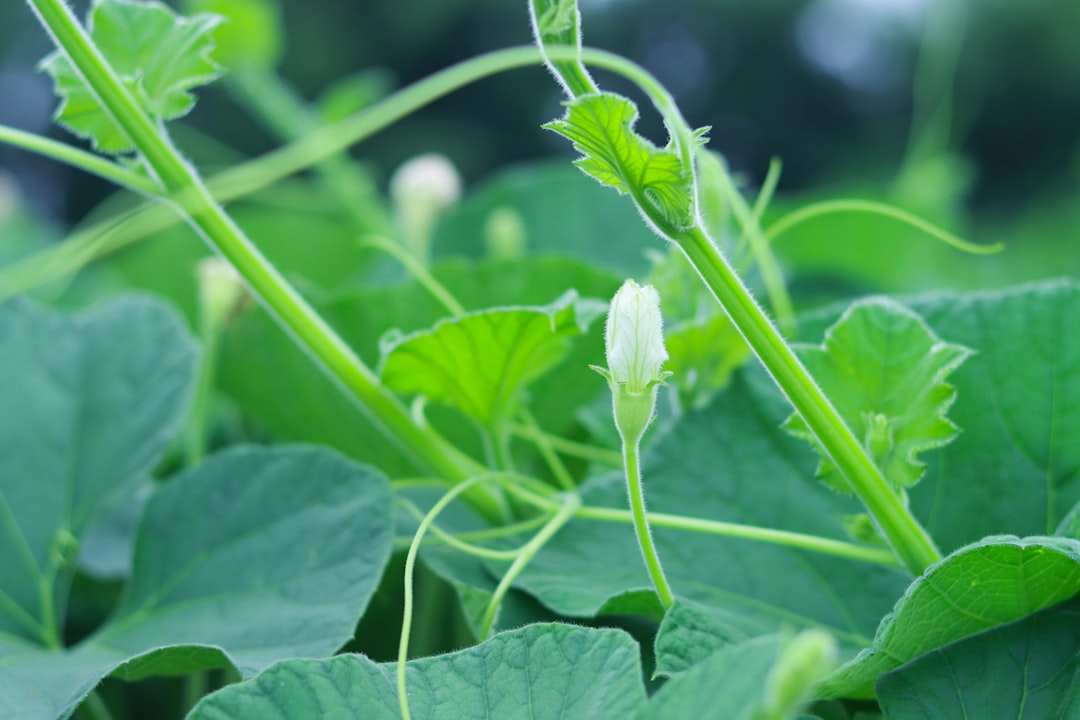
703,354
250,34
159,56
884,370
587,220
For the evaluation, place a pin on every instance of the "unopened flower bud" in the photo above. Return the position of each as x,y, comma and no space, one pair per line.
634,344
805,659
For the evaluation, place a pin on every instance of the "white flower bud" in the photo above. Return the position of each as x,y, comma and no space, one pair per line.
634,343
634,338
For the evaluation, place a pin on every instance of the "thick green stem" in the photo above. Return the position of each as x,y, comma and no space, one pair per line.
901,530
641,525
294,314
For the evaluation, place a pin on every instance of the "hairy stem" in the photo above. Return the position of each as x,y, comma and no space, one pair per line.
631,452
908,539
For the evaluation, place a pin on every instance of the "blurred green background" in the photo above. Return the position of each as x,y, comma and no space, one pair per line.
965,112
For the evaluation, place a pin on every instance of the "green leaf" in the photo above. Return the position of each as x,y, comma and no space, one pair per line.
159,56
991,582
1028,669
691,632
601,127
253,557
540,671
99,395
480,362
884,369
728,462
729,684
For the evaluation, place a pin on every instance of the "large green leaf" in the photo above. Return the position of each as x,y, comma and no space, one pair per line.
481,361
255,556
1028,670
90,403
540,671
989,583
884,370
158,55
729,462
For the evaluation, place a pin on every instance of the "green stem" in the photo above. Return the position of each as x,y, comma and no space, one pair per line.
196,431
291,311
290,118
568,447
81,159
813,543
419,273
547,451
410,570
641,525
907,538
828,207
570,504
454,541
766,261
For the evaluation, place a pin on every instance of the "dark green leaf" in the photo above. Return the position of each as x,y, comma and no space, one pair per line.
540,671
989,583
1028,670
99,395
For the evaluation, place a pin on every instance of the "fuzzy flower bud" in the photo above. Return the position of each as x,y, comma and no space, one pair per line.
220,289
634,338
634,343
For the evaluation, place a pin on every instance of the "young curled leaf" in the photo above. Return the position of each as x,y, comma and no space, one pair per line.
601,127
159,56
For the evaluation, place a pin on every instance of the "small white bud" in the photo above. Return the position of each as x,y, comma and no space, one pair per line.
634,338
